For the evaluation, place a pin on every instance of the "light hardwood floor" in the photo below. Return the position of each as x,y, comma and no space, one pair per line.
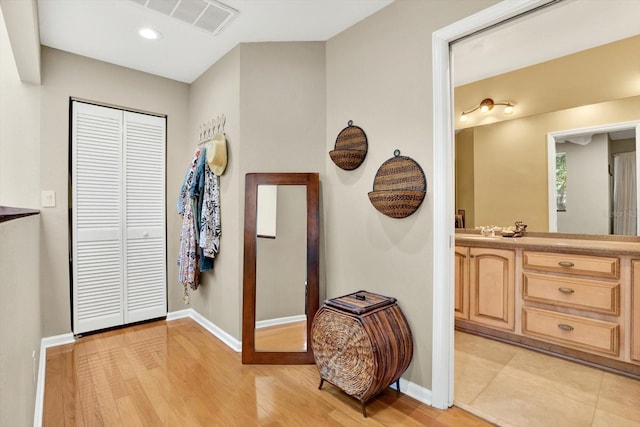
177,374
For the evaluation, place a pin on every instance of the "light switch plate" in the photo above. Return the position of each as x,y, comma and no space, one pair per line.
48,199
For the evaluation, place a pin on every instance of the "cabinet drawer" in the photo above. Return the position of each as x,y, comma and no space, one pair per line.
589,295
572,331
584,265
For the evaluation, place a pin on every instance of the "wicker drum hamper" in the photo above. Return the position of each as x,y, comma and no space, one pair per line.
361,344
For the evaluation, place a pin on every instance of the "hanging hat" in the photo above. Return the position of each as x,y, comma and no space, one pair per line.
217,154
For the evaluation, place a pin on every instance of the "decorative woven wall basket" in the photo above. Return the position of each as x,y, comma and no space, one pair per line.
350,148
399,187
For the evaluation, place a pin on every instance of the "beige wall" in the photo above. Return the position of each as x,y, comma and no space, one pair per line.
589,77
19,133
214,93
379,76
282,106
511,161
273,95
66,75
20,328
621,146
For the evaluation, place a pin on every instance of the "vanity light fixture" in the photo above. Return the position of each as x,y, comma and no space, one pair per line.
149,33
487,105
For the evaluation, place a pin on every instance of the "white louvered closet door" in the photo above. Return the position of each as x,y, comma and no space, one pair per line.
145,260
119,260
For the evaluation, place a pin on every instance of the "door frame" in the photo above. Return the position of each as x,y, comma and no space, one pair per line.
443,192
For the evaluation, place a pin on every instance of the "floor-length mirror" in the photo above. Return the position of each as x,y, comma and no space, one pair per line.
281,273
280,283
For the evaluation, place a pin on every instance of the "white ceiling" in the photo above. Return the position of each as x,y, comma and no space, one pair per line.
558,30
108,30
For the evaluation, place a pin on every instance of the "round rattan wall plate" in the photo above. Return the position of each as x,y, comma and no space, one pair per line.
350,148
399,187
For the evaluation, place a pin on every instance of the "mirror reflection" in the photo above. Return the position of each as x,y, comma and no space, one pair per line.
281,254
506,163
595,183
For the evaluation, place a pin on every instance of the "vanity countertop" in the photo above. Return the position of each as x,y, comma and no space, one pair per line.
552,244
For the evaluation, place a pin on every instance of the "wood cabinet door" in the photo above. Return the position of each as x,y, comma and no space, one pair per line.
461,261
491,287
635,311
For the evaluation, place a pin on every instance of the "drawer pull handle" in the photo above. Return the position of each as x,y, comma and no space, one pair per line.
566,264
566,290
565,327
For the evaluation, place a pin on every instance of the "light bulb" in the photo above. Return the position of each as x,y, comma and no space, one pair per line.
508,109
149,33
484,108
463,117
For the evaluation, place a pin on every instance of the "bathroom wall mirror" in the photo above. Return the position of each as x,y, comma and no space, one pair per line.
593,180
280,282
505,165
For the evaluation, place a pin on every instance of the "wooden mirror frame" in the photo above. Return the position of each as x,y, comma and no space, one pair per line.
252,180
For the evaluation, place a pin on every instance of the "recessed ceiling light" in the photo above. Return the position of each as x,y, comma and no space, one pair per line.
149,33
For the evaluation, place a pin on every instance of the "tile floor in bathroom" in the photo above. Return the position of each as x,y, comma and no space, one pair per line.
515,387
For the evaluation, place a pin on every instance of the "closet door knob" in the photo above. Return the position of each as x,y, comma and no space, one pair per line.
145,234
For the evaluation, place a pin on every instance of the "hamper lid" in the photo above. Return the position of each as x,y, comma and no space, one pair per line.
360,302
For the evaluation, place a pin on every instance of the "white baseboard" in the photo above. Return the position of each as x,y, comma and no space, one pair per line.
421,394
280,321
180,314
46,343
216,331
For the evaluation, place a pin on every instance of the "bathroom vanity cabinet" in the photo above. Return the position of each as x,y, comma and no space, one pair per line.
635,311
563,305
461,299
485,286
577,298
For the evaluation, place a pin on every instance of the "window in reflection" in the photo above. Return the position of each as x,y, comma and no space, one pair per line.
267,215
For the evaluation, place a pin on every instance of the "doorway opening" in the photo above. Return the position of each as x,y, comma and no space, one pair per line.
442,373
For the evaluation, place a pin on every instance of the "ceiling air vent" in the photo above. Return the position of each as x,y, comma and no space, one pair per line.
209,15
